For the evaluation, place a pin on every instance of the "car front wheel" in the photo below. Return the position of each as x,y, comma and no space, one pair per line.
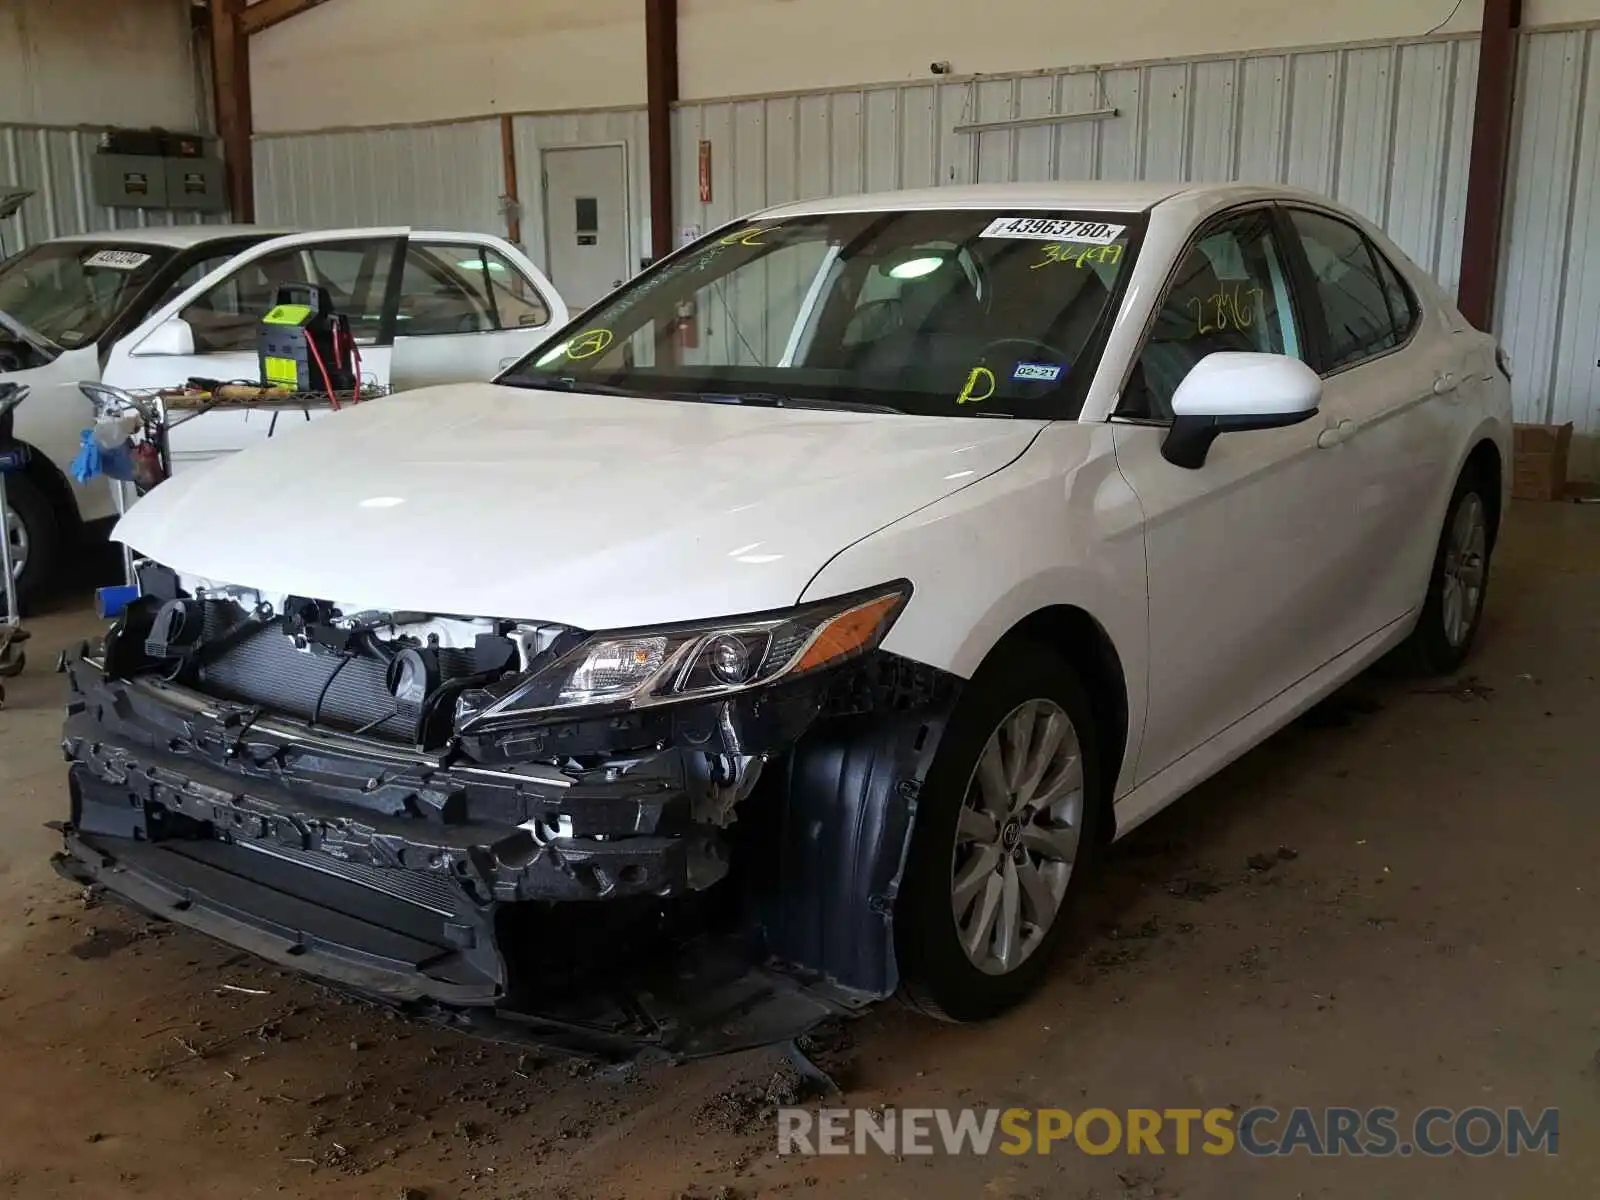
1004,833
35,535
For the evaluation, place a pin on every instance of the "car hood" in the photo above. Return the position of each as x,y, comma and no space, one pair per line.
594,511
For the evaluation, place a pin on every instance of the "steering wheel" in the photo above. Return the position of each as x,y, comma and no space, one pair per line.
1056,356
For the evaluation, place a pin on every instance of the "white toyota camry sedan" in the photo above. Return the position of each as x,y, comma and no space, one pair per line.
841,585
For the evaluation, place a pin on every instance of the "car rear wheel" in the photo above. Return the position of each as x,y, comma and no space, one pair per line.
1452,611
1006,826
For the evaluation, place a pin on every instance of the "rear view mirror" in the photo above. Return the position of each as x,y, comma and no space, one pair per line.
172,336
1231,391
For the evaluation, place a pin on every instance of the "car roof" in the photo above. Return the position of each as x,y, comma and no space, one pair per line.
175,237
1069,194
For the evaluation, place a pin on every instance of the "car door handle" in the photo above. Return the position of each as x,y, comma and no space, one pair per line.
1333,435
1444,384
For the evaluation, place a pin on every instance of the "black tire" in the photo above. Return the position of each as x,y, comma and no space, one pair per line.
1430,650
43,527
937,977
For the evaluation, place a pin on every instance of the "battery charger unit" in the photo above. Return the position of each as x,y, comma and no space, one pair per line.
305,345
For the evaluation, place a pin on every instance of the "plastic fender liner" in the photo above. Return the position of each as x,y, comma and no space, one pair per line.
848,803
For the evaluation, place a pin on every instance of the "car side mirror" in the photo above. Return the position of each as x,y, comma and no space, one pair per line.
1232,391
172,337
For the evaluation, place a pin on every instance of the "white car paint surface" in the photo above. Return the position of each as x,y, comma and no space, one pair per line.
1234,594
734,506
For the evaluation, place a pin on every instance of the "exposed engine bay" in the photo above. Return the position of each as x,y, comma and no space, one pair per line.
398,803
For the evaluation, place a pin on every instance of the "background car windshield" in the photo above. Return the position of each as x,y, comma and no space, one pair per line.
70,292
932,312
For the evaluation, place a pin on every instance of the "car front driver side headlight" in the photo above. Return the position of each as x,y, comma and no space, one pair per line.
644,668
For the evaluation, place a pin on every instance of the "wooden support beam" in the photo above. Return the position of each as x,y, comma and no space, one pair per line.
1488,164
264,14
230,81
508,165
661,93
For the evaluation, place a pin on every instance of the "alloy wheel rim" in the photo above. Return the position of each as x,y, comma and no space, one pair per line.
1465,565
17,534
1017,836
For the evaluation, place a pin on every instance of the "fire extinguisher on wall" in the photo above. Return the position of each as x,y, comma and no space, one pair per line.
688,322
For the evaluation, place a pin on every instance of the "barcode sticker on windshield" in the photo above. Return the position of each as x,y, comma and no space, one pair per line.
1044,229
117,260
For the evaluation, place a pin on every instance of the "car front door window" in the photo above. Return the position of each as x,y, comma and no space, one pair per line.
356,274
1230,292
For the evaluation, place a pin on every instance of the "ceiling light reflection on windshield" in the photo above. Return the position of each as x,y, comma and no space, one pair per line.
915,268
549,356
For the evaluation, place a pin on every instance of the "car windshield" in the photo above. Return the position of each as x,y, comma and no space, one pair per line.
943,312
69,292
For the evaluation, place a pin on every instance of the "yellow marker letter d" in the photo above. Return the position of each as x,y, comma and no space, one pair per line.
980,376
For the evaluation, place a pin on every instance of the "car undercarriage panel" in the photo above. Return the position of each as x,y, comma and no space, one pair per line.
703,995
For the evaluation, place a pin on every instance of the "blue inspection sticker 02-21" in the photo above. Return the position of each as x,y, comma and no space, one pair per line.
1035,372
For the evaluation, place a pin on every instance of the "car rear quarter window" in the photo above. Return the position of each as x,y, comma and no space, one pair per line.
1402,304
1351,289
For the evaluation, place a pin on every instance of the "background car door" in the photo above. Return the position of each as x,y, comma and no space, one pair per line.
1242,553
470,305
224,311
1390,380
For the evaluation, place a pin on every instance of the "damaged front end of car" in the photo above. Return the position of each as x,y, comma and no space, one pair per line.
687,837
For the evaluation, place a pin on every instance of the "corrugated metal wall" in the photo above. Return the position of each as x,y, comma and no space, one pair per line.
438,176
54,164
1549,304
1384,128
429,176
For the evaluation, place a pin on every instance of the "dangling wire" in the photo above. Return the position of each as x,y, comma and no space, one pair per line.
316,709
327,380
1446,21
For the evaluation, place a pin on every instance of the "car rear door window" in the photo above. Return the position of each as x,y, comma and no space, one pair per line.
450,287
1355,302
1230,292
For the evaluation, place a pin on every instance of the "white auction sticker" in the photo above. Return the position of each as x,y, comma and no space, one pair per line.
1046,229
117,260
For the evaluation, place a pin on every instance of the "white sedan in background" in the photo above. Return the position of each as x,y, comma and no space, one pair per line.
150,308
867,565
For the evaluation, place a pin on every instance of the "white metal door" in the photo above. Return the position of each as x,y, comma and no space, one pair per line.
224,308
469,305
586,221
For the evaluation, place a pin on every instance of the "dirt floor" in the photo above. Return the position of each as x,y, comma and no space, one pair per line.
1393,903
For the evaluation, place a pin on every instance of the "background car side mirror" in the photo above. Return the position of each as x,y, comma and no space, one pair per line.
172,336
1232,391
